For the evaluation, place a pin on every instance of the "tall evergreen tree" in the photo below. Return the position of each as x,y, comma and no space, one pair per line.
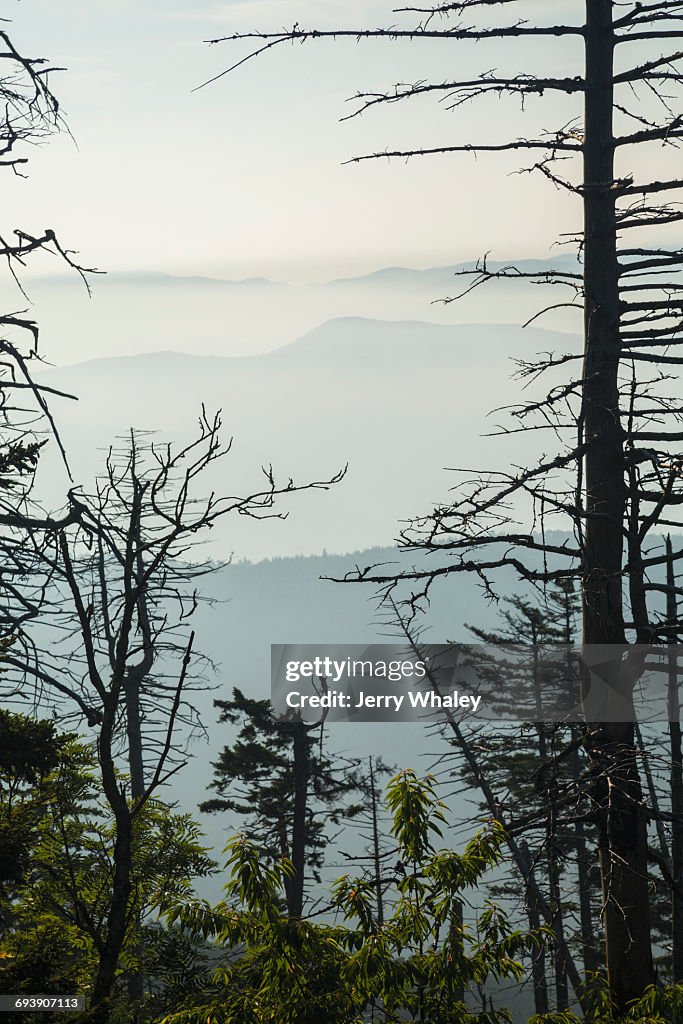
278,776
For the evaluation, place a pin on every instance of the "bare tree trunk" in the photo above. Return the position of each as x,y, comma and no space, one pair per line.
589,944
676,772
654,800
458,990
554,889
538,975
136,766
622,840
591,961
555,893
117,918
136,983
301,774
132,688
377,863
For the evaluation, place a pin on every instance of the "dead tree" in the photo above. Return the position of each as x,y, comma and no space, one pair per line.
374,831
528,624
615,474
675,767
541,910
538,971
113,648
29,115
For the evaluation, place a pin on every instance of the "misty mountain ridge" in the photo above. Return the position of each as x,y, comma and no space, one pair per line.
353,335
380,396
395,275
438,276
346,337
130,312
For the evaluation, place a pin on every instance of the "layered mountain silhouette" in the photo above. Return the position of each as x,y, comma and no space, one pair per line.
130,313
397,401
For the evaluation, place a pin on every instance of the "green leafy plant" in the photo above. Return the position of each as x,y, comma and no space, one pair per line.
418,965
56,907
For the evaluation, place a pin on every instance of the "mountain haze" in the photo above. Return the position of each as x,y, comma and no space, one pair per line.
397,401
130,313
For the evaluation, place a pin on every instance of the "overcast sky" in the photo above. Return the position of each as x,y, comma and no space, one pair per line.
245,176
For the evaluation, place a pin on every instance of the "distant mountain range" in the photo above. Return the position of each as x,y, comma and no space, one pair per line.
391,276
440,277
397,401
132,312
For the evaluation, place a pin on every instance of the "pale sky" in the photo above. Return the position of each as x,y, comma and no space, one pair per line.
245,176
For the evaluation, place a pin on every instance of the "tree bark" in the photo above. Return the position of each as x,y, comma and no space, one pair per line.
676,773
538,975
132,687
517,853
591,961
134,734
555,894
136,983
301,774
376,859
117,918
617,794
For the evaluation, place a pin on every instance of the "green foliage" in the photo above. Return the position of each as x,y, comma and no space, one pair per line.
255,778
29,752
56,918
417,966
245,961
656,1006
29,749
42,950
176,965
